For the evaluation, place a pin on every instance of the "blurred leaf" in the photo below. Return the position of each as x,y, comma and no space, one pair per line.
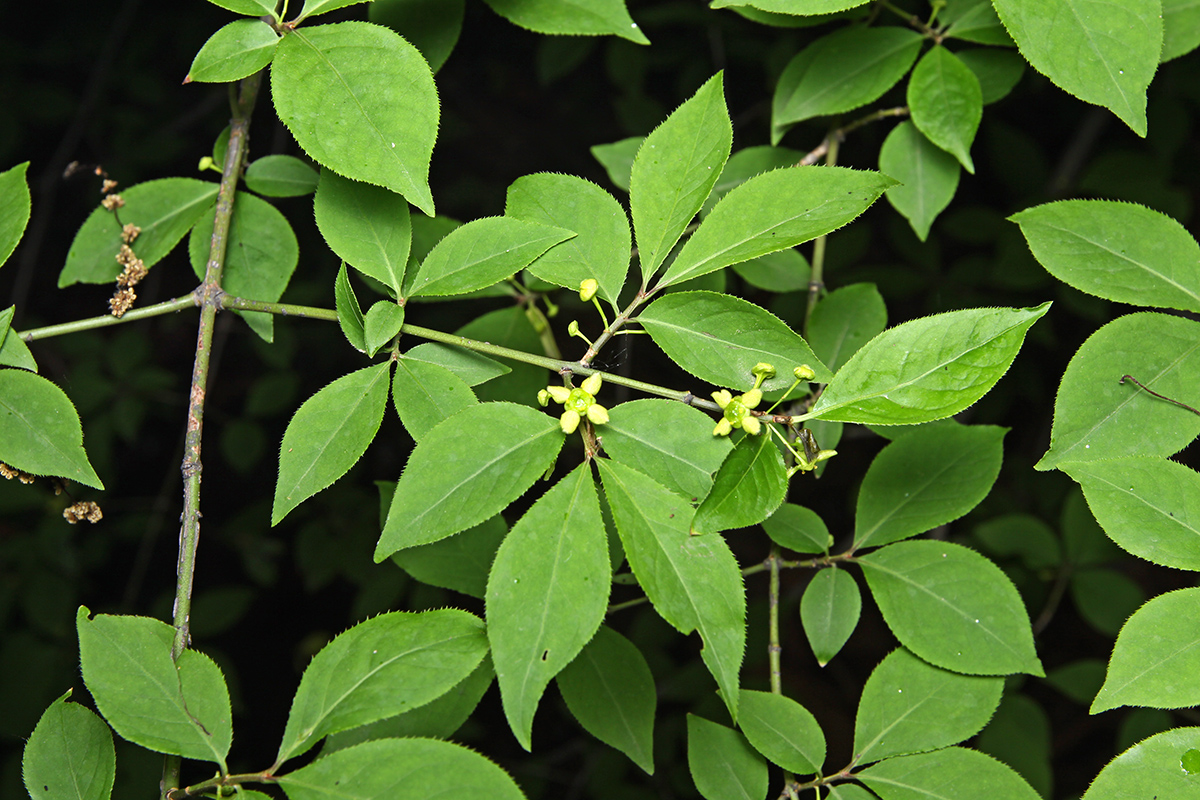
281,176
433,26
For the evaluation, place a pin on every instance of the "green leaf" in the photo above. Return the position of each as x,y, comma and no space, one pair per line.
328,434
785,271
437,719
841,72
719,338
383,321
379,668
844,320
546,594
1105,598
668,441
14,208
1019,735
693,581
253,8
281,176
1022,536
1181,28
1102,52
350,316
617,159
237,50
400,769
39,429
829,612
313,7
432,25
953,772
69,755
974,21
748,487
480,253
472,367
1098,417
164,209
460,562
425,394
601,248
571,17
722,763
610,691
798,528
782,730
909,706
366,225
773,211
952,607
509,327
805,7
745,164
997,71
1155,766
849,791
928,176
361,101
927,369
1118,251
453,482
926,479
13,350
260,255
946,103
1149,506
1155,658
178,707
675,170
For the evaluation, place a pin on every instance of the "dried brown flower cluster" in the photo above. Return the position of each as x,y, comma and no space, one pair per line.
10,473
83,510
133,267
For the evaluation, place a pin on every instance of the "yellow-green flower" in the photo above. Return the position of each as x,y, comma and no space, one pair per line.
579,403
737,412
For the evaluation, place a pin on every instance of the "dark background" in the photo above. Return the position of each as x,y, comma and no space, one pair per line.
100,83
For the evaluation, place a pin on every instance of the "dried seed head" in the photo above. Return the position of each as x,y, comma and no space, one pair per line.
129,232
108,185
83,510
112,202
122,301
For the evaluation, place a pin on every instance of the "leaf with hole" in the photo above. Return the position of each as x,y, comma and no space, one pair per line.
1155,765
70,754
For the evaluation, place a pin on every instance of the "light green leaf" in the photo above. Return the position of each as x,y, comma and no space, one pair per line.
425,394
1118,251
1100,51
1097,417
571,17
432,25
381,324
546,594
668,441
675,170
693,581
238,49
748,487
13,350
909,706
14,208
841,72
328,434
926,479
379,668
946,103
281,176
69,755
164,210
609,689
366,225
253,8
453,482
997,71
844,320
805,7
478,254
719,338
472,367
952,607
361,101
460,562
1155,658
39,429
617,159
927,369
782,730
928,176
745,164
829,612
974,21
350,316
179,707
1149,506
400,769
1181,28
722,763
774,211
1155,765
798,528
953,772
600,250
312,7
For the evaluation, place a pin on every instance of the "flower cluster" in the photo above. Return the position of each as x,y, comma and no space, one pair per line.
737,412
579,402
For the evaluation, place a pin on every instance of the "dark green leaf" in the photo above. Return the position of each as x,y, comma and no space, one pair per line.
14,208
946,103
953,772
998,71
617,159
69,755
1079,680
425,394
1022,536
350,316
39,429
782,730
381,324
928,176
829,612
722,763
281,176
844,320
748,487
974,21
238,49
784,271
366,225
806,7
472,367
1019,736
573,17
1155,766
432,25
798,528
460,562
13,350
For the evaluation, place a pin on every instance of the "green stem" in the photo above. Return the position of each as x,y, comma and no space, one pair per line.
216,783
178,304
773,648
208,297
281,309
816,280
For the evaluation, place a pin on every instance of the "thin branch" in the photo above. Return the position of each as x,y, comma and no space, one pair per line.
168,307
839,134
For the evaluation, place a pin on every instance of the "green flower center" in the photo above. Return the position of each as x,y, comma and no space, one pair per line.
736,411
579,401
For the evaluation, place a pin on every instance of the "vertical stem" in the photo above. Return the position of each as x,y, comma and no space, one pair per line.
816,280
208,295
773,648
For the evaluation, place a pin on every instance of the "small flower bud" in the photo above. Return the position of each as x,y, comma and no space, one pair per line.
763,370
543,398
205,163
587,289
591,384
573,328
804,373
